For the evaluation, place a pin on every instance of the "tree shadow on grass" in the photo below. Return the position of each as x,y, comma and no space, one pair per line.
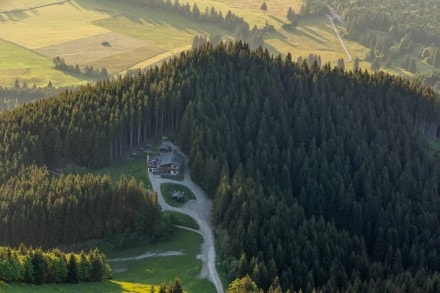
277,19
143,14
14,16
277,36
304,32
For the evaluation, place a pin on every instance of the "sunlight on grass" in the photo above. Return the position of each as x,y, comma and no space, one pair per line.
19,63
139,275
50,25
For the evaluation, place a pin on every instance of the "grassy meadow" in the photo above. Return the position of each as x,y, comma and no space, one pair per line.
75,31
140,36
140,275
132,166
25,65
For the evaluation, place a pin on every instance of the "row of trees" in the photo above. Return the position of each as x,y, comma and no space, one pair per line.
21,93
28,265
88,71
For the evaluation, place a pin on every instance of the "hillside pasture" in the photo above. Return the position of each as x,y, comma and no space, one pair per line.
164,29
250,9
20,63
50,25
314,35
121,52
14,5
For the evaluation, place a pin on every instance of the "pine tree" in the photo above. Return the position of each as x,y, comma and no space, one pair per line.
72,270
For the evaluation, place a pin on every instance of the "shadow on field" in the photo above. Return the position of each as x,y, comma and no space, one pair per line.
277,19
140,15
14,16
304,32
272,50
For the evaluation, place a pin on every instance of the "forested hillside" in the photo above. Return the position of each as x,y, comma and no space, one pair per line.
321,178
324,181
403,33
418,19
46,210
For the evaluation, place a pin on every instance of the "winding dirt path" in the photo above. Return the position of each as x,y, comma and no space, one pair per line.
147,255
340,38
200,210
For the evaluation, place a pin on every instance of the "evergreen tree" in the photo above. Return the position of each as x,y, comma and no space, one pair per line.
72,270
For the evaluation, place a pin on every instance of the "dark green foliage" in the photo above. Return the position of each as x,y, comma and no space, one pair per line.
89,71
36,266
396,18
11,97
326,169
77,208
325,179
72,270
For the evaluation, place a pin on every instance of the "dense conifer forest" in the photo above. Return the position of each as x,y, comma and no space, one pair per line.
416,19
47,210
320,178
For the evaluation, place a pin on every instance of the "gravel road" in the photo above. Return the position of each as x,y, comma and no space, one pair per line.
200,211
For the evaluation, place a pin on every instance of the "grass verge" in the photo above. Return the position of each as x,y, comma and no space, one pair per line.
182,220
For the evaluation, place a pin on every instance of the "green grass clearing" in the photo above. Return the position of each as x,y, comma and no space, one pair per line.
138,275
167,189
23,64
182,220
435,145
133,166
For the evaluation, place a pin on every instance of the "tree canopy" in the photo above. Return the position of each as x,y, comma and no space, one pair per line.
321,178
